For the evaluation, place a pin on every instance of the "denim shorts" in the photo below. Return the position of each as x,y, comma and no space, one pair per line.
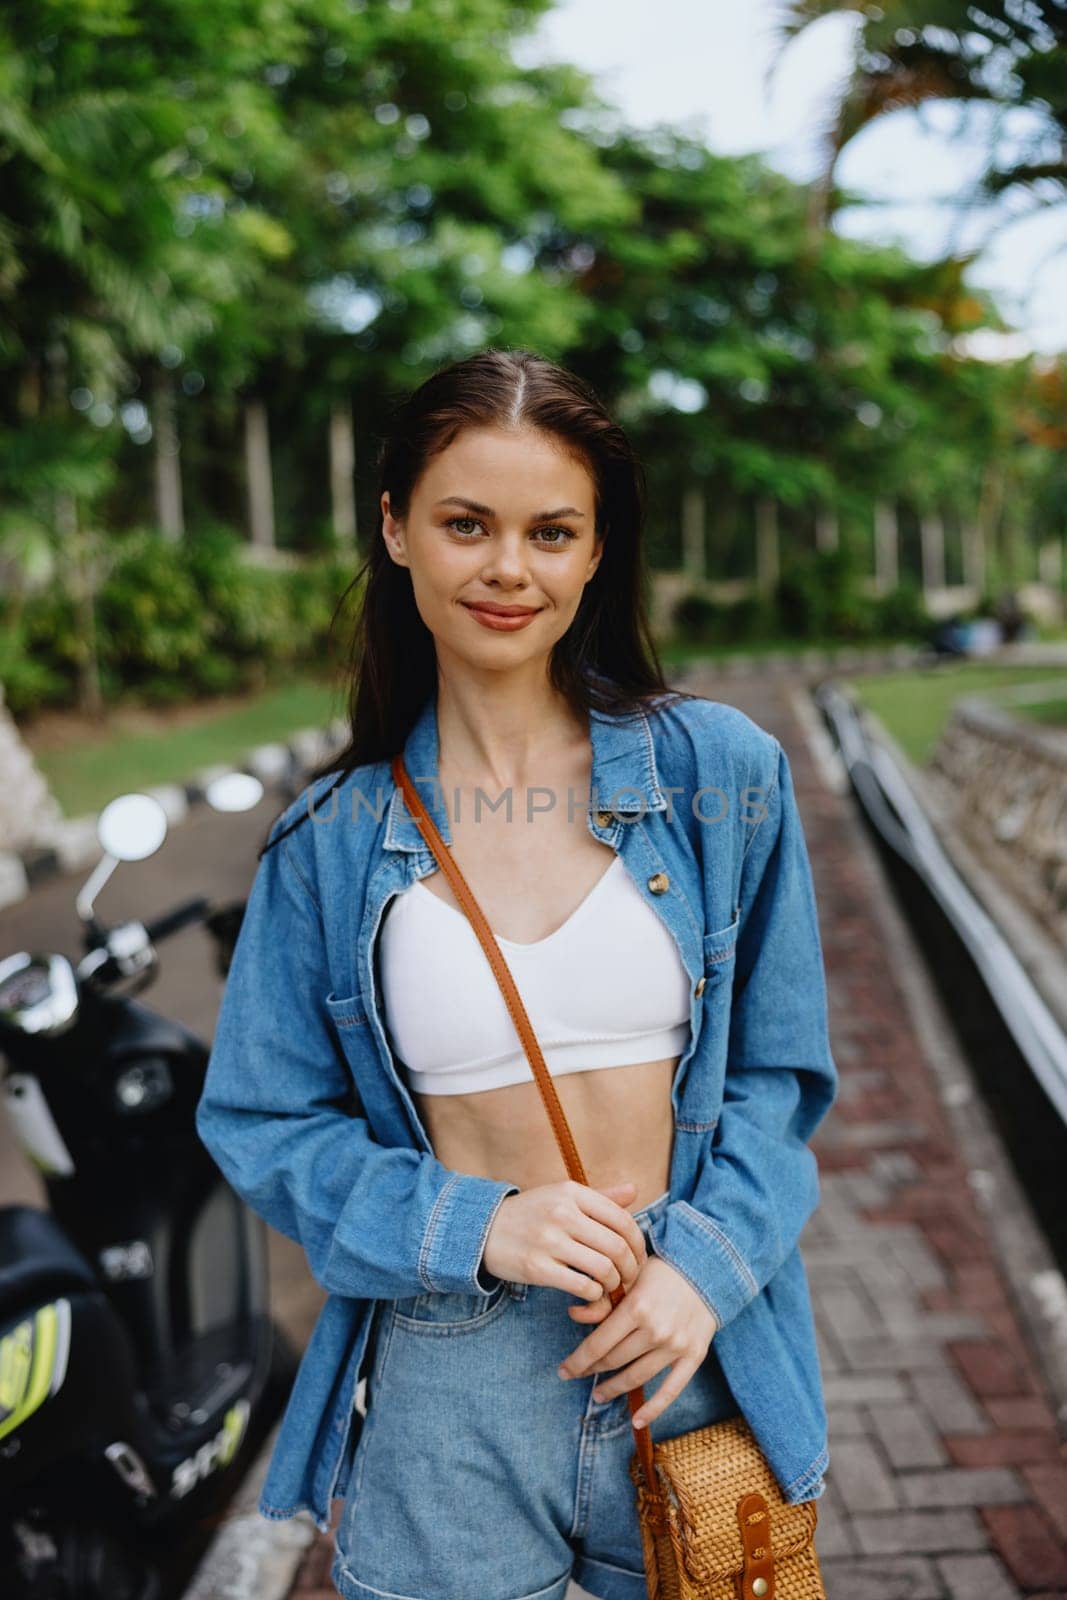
480,1472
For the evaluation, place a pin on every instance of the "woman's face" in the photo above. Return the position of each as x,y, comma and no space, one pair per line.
477,534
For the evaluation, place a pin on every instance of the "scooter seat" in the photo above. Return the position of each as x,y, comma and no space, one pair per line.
37,1259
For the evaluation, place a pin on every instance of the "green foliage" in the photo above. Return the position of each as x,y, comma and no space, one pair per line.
752,619
698,619
29,679
152,624
818,596
695,617
810,593
901,612
325,204
178,620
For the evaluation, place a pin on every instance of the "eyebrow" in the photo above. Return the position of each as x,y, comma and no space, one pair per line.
487,511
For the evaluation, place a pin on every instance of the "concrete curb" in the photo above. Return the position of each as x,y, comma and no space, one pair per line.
75,846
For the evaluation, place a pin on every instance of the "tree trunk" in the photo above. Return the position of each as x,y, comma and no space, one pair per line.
767,566
1016,548
75,541
990,506
258,476
30,389
170,517
932,537
886,546
75,560
1050,565
827,531
974,557
342,471
694,558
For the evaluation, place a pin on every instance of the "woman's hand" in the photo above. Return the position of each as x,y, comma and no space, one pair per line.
663,1321
567,1236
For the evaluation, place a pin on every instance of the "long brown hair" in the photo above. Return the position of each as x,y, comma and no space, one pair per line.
607,658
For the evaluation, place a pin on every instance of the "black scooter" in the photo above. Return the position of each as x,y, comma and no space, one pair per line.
137,1352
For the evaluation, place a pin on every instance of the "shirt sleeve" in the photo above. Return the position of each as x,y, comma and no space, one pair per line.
279,1115
759,1184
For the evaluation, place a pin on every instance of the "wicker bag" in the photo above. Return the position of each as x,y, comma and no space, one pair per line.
714,1523
720,1529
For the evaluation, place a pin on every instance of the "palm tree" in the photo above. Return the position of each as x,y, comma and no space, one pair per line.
910,52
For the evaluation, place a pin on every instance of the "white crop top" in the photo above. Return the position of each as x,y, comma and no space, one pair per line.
606,989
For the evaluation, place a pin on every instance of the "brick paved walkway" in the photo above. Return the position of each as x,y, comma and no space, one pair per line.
948,1479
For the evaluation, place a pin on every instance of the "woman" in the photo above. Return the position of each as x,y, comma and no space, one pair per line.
640,858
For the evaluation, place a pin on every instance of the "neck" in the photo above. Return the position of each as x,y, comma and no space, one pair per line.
502,730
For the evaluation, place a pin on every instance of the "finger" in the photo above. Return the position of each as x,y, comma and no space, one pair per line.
668,1391
569,1218
628,1349
556,1274
611,1245
594,1311
604,1238
601,1254
616,1217
595,1351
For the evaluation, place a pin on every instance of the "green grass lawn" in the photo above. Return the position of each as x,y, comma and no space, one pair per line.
143,748
915,704
1053,712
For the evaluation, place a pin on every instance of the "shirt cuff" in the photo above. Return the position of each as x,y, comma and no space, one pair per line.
456,1234
697,1248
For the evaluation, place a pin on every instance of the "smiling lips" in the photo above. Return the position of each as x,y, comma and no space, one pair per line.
504,618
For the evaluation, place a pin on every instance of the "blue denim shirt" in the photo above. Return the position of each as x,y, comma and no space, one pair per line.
305,1111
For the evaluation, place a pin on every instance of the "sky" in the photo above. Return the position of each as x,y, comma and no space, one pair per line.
715,69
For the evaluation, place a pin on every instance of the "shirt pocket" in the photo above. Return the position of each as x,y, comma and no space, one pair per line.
350,1018
347,1011
702,1095
720,958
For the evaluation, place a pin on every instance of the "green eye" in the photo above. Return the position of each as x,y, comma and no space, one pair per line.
550,544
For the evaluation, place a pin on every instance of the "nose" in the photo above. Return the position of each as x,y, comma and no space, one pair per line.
506,561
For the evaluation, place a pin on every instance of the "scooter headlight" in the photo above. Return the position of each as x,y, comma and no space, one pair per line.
144,1086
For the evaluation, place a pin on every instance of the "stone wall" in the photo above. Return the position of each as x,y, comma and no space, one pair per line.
29,814
1009,779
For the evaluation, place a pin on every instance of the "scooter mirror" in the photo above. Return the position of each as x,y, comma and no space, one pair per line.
234,791
132,827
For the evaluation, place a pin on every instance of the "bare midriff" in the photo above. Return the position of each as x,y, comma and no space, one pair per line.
528,877
620,1118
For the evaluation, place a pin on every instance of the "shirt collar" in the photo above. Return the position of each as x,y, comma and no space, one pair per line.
624,777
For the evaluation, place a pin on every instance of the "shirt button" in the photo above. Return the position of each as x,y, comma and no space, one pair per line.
605,818
700,985
659,883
